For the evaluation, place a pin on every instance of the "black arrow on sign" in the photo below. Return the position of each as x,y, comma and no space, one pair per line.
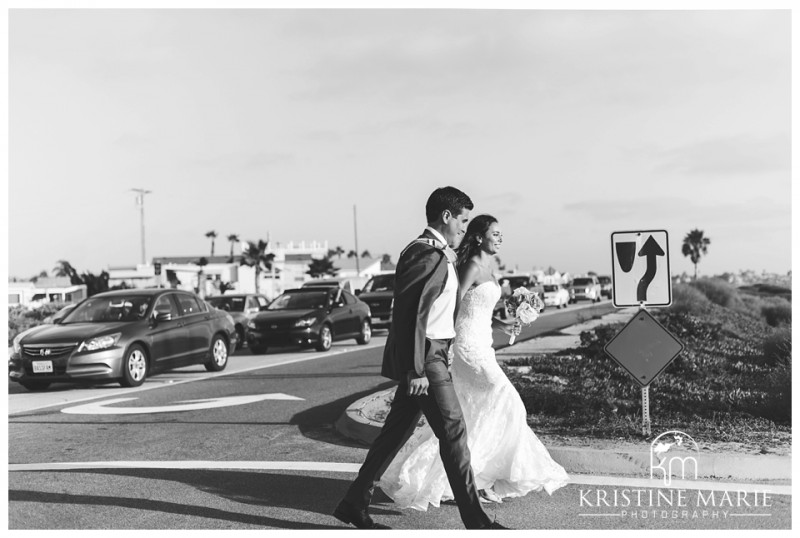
651,249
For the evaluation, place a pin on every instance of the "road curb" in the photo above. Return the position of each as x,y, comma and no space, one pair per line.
362,421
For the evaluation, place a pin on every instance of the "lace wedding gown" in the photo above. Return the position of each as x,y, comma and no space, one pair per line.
506,454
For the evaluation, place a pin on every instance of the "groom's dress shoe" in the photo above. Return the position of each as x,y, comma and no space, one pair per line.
347,513
494,525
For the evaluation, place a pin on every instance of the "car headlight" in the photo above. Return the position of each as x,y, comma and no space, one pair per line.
101,342
17,345
305,322
18,339
251,324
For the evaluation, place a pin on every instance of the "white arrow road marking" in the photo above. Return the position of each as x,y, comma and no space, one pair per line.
329,466
100,408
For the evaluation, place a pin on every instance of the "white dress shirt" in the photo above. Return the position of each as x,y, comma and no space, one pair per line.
441,325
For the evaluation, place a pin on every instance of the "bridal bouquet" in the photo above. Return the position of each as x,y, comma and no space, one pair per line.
523,305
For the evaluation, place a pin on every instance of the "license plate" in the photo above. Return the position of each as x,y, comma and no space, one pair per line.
42,367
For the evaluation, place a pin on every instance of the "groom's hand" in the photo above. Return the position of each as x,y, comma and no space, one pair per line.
417,386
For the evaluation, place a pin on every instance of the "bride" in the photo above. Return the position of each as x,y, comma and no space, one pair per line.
508,460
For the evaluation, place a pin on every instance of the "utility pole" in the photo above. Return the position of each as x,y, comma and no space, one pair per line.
355,230
140,203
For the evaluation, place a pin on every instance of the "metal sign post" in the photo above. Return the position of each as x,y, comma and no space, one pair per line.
646,410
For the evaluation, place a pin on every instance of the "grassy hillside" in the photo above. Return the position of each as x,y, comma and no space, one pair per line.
732,381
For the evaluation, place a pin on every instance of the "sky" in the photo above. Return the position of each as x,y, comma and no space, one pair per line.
565,125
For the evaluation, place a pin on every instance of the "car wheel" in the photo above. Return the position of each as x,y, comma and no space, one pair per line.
366,333
219,355
257,348
239,337
35,385
325,338
134,367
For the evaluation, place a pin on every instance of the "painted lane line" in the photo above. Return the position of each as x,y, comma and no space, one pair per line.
100,408
230,465
148,386
354,467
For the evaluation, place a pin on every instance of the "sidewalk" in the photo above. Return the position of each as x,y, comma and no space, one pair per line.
364,418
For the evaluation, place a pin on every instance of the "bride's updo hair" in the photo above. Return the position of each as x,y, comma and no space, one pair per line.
476,232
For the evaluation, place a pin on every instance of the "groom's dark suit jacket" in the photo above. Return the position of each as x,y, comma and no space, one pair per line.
420,277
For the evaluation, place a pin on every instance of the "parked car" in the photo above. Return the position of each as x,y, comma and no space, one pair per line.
511,282
556,295
378,293
606,286
350,284
310,316
242,307
584,288
124,336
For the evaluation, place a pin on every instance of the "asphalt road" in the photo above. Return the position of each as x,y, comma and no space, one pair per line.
254,447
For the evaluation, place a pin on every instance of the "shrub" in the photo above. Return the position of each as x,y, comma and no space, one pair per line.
21,318
777,312
778,346
688,300
720,292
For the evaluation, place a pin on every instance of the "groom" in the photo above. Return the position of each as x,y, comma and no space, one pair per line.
425,304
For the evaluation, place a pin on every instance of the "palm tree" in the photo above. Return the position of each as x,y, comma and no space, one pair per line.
366,254
213,235
695,245
233,238
256,256
201,284
352,254
64,268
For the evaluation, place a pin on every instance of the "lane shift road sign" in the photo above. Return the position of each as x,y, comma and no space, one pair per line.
644,348
640,268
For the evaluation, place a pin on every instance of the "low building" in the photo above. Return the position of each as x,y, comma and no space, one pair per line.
45,290
183,272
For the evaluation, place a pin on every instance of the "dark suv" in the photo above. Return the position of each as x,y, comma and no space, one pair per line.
378,293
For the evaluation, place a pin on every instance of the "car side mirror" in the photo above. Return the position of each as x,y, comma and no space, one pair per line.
163,316
358,292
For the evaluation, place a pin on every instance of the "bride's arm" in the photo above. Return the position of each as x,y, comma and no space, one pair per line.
467,277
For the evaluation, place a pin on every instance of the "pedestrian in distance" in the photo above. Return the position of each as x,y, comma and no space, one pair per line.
426,301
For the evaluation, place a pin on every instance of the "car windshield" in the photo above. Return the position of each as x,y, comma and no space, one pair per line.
300,301
380,283
604,279
582,281
230,304
322,284
550,287
105,309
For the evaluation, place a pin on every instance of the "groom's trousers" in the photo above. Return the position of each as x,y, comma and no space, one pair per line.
443,413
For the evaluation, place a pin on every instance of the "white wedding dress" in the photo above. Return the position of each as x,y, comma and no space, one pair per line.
506,454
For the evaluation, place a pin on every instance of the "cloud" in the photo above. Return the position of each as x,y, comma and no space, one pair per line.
246,161
726,156
419,124
743,213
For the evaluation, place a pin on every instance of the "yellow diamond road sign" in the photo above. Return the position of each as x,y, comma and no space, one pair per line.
644,348
640,268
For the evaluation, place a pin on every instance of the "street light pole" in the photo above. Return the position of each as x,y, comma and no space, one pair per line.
140,203
355,229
